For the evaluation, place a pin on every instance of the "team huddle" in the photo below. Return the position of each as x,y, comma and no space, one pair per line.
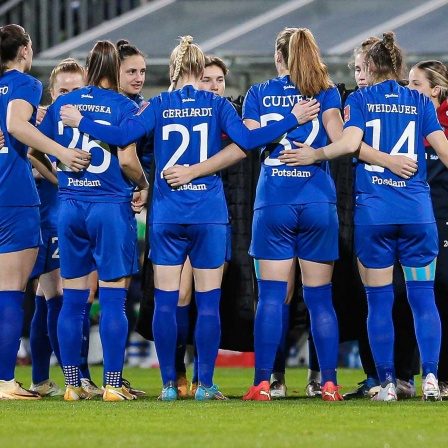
92,149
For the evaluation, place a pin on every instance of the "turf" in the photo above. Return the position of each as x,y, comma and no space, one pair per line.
296,421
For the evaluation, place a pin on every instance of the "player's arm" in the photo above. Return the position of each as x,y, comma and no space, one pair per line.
179,175
17,122
43,165
400,165
132,169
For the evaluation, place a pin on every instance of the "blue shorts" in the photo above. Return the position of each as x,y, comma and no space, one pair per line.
307,231
228,256
378,246
97,236
48,255
19,228
205,244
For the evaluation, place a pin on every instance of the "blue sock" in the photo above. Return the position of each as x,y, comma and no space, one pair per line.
313,362
113,332
40,342
183,327
324,328
427,323
11,318
54,306
70,332
280,357
207,333
380,327
268,326
164,330
84,366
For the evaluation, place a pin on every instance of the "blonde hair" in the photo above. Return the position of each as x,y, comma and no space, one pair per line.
68,65
186,58
302,57
437,75
362,49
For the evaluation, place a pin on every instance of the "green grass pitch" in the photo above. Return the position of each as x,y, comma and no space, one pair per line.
297,421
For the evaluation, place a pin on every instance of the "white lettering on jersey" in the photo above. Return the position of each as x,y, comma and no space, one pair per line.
83,183
392,108
187,113
392,183
289,173
191,186
93,108
283,101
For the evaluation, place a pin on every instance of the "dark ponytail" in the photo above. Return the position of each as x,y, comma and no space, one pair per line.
12,37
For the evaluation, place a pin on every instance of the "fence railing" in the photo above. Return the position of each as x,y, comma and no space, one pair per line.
50,22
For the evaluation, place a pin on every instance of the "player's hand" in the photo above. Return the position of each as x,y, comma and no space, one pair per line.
70,116
75,159
306,110
139,200
304,155
402,166
2,140
41,112
178,175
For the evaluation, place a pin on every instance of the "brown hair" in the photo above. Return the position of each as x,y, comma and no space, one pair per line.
125,50
214,60
387,57
437,75
68,65
186,58
12,37
103,64
362,49
301,54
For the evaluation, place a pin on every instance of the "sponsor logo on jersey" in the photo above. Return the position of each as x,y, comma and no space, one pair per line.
187,100
83,183
346,113
391,95
290,86
86,96
93,108
289,173
389,182
3,90
192,187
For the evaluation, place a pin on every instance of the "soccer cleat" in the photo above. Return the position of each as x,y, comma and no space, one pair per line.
364,389
183,386
208,393
193,389
262,392
405,389
278,389
131,390
169,392
47,388
13,390
387,393
430,388
330,392
91,388
313,389
73,393
117,394
443,387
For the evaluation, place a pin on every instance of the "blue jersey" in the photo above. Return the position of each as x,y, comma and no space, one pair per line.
103,180
49,202
394,120
17,186
188,126
280,184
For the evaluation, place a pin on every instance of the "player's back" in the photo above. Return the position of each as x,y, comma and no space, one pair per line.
16,179
103,180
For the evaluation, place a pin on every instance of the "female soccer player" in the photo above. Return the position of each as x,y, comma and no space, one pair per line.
96,225
65,77
431,79
190,219
295,210
393,217
19,218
